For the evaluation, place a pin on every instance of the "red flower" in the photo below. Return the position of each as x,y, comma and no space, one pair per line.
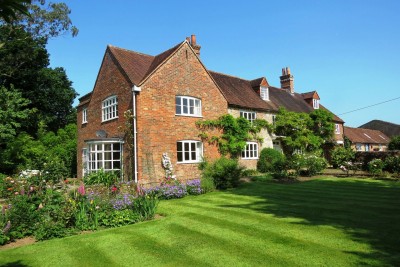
114,188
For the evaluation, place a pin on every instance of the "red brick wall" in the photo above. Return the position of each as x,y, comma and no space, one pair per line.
159,128
157,125
110,82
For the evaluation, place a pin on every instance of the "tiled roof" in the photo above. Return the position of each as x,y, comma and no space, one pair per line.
138,66
309,95
237,91
240,92
366,136
388,128
292,102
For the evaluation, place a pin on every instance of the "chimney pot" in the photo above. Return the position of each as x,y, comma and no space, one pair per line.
193,40
287,81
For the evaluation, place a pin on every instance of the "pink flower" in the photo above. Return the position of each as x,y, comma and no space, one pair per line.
81,189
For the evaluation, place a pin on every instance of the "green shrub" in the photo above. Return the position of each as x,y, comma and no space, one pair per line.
269,159
102,177
394,143
116,218
145,206
392,164
341,156
23,215
375,167
48,229
308,164
249,172
207,184
55,170
224,172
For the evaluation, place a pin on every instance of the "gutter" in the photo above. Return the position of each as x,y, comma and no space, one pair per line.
135,89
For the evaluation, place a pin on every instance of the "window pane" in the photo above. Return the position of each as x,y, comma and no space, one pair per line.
117,165
187,155
193,155
107,147
186,146
178,100
180,156
116,155
116,147
185,110
179,146
107,155
107,165
99,156
178,109
192,146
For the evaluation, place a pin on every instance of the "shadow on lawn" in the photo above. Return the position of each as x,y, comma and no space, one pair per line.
368,211
14,264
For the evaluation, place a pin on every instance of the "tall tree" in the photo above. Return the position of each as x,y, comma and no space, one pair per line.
10,8
43,20
302,131
13,111
24,64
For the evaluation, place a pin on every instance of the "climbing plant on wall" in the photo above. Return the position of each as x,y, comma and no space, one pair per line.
234,132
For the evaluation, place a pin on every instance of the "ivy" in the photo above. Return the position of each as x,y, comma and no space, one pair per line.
234,133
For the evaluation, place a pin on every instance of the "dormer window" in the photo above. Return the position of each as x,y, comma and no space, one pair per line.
315,103
264,94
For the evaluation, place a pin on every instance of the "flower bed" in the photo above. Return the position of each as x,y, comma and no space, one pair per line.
36,207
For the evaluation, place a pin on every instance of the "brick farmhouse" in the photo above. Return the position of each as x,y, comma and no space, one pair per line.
166,94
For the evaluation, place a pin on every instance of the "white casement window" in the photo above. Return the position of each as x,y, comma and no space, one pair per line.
248,115
264,94
189,151
251,151
337,128
358,146
105,155
110,108
187,106
315,103
84,115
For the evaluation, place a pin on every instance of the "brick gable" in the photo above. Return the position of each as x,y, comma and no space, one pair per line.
159,128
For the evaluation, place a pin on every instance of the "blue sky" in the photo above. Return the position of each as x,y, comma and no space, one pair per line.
348,51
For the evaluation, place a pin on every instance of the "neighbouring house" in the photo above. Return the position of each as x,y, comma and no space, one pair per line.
366,139
388,128
144,106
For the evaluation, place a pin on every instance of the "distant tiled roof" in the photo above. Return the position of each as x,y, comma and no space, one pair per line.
240,92
366,136
294,102
388,128
138,66
309,95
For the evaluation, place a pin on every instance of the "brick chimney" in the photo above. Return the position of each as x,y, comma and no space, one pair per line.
192,41
287,80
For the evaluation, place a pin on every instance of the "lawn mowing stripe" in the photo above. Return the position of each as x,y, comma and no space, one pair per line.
362,194
226,246
275,234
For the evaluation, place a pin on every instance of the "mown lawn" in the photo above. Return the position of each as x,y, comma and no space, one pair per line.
322,222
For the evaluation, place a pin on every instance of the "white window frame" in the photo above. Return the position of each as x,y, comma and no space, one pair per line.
189,151
102,155
250,151
337,128
187,106
109,108
84,115
264,93
315,103
248,115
